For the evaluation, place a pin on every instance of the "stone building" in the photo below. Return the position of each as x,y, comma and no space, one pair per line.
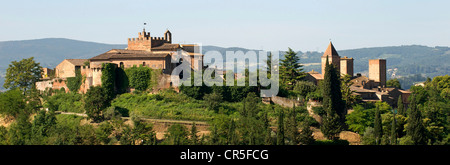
68,66
372,88
145,51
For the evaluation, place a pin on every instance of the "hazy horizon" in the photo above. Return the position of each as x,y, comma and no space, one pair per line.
237,46
267,25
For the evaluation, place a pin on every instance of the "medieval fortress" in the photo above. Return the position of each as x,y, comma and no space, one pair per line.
158,52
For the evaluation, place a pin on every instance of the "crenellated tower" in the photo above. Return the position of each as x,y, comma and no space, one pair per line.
146,42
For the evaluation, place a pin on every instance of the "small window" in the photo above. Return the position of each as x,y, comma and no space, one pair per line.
143,64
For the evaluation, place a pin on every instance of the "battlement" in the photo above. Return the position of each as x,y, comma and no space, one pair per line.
158,38
138,39
145,42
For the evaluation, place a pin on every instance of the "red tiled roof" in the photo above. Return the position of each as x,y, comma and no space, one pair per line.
125,54
331,51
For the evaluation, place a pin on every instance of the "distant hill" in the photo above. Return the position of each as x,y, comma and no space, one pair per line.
409,60
50,51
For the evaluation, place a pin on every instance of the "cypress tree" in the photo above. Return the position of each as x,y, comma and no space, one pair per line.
306,137
401,106
378,128
108,80
194,137
280,131
415,128
292,128
393,131
267,134
232,136
333,104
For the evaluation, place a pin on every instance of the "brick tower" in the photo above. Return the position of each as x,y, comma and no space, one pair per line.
347,66
333,57
377,71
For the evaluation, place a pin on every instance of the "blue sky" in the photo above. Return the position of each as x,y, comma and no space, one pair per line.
271,25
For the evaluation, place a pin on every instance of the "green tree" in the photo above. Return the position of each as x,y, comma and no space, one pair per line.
213,101
12,103
306,135
95,102
220,130
415,128
20,132
177,135
290,69
193,135
368,137
378,127
360,119
143,134
268,140
233,138
394,83
23,74
280,128
331,127
333,104
250,127
401,106
42,125
269,64
3,135
291,127
394,131
103,132
347,94
108,80
303,88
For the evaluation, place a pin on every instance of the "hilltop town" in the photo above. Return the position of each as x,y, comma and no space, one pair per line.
127,96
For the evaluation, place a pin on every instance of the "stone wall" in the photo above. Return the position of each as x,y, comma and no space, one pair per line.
285,102
55,84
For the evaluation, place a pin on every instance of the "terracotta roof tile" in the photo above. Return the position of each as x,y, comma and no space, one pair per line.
124,54
331,51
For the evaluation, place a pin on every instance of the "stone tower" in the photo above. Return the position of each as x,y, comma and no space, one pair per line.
377,71
347,66
168,36
333,57
146,42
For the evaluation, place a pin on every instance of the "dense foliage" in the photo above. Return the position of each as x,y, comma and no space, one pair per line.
333,104
74,83
22,74
139,77
108,80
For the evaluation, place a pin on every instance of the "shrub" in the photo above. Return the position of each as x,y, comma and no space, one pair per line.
66,102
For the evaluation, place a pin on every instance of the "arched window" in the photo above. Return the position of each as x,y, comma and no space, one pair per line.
143,64
121,65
